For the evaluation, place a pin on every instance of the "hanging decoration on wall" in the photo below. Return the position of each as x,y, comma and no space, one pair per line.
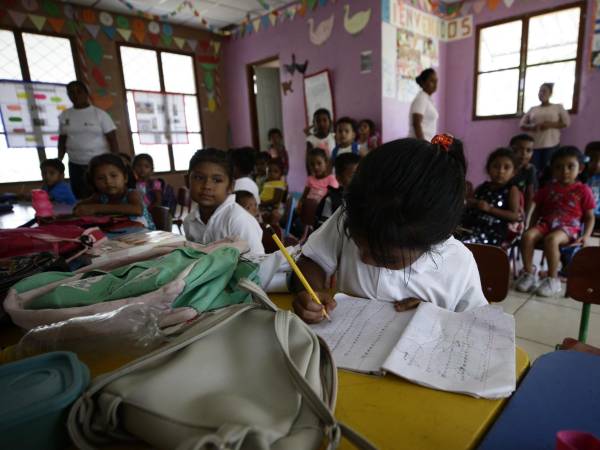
167,29
357,22
179,42
508,3
99,77
310,4
56,24
192,43
286,86
478,6
125,33
319,35
122,22
154,39
51,8
294,66
166,39
92,29
154,27
138,28
106,19
88,16
17,17
38,21
492,4
93,50
595,56
30,5
109,31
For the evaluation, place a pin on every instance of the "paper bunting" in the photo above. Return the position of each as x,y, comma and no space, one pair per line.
17,17
122,22
478,6
104,102
493,4
204,45
179,42
192,43
508,3
56,24
310,4
154,39
166,39
38,21
216,45
139,30
273,19
265,22
167,29
94,51
109,31
88,16
153,27
125,34
51,8
30,5
92,29
256,25
99,77
68,10
106,19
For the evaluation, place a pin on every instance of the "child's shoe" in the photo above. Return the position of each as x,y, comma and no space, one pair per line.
525,282
549,287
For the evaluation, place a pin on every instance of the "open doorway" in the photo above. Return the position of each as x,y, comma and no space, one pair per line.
265,100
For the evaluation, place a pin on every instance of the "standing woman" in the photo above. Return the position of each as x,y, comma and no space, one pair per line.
423,115
84,132
544,122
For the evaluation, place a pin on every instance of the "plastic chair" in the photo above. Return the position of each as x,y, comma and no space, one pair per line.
184,201
583,284
494,270
161,218
290,208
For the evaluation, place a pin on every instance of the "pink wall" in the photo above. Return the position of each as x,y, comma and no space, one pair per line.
481,137
356,95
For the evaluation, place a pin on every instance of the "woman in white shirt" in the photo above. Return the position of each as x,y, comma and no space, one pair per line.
84,132
423,115
544,123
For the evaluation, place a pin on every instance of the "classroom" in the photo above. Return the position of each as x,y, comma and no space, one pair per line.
309,224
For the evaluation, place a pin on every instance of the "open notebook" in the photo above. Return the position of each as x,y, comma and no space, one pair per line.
471,352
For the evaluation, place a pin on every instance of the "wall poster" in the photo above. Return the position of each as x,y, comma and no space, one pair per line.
160,118
318,93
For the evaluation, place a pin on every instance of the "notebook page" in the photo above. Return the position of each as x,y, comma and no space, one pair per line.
362,332
471,352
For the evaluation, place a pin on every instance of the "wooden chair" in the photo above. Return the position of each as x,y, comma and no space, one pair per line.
583,284
494,270
184,201
161,218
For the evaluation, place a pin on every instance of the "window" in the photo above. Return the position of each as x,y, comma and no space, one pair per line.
31,57
515,57
165,73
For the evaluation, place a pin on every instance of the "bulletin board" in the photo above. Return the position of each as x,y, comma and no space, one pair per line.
318,93
30,112
160,118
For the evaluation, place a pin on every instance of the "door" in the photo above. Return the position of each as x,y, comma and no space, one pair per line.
268,103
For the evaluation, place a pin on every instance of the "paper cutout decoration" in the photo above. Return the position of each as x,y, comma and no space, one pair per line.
88,16
167,39
291,68
167,29
311,4
256,24
204,45
508,3
125,34
319,35
493,4
302,67
30,5
94,51
192,43
273,19
153,27
68,11
357,22
139,30
51,8
106,19
38,21
104,102
287,87
478,6
179,42
122,22
99,77
110,32
209,81
56,24
17,17
92,29
216,45
154,39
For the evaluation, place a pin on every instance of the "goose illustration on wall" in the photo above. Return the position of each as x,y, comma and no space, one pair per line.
319,35
357,22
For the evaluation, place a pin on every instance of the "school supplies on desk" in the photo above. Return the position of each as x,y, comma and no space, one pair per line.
471,352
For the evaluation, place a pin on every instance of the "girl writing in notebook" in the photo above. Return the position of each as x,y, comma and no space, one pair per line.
392,239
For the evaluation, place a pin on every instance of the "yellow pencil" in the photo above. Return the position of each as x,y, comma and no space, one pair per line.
296,269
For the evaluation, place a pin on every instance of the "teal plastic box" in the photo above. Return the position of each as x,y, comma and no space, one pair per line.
35,396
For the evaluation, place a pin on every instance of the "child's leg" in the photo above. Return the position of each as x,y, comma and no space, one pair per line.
530,238
552,243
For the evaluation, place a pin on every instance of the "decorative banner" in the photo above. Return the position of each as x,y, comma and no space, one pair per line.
99,77
139,30
38,21
105,19
102,102
508,3
493,4
192,43
167,29
458,28
56,24
125,34
69,11
478,6
216,45
154,39
256,24
109,31
30,112
92,29
154,27
357,22
122,22
88,16
166,39
179,42
94,51
319,35
30,5
17,17
160,118
51,9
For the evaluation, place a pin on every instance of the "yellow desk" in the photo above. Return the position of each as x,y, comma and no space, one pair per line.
391,412
396,414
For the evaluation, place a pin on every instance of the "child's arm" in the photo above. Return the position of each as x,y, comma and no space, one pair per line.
418,125
309,310
535,216
133,207
589,221
511,214
157,198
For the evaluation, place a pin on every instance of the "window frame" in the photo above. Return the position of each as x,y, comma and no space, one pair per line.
26,76
525,18
159,51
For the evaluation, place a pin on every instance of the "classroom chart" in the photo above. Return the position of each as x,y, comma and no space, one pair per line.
30,112
160,118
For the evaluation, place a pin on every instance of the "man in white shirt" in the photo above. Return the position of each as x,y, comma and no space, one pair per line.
84,132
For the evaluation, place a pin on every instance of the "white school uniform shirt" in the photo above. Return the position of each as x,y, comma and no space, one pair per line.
85,129
327,143
550,113
229,220
446,276
247,184
423,104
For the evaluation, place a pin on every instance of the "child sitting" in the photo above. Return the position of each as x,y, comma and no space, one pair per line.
53,176
247,201
319,179
218,216
525,176
107,174
345,166
564,208
495,203
345,135
277,149
260,169
367,137
592,175
393,238
322,137
151,188
273,193
243,165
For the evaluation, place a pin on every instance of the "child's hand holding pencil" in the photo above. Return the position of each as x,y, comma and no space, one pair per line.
309,310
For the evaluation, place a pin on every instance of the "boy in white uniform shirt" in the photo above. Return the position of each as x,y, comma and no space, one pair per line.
393,239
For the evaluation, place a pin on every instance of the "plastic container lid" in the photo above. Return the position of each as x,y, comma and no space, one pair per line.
39,386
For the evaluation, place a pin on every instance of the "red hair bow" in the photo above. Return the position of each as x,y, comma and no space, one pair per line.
443,140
